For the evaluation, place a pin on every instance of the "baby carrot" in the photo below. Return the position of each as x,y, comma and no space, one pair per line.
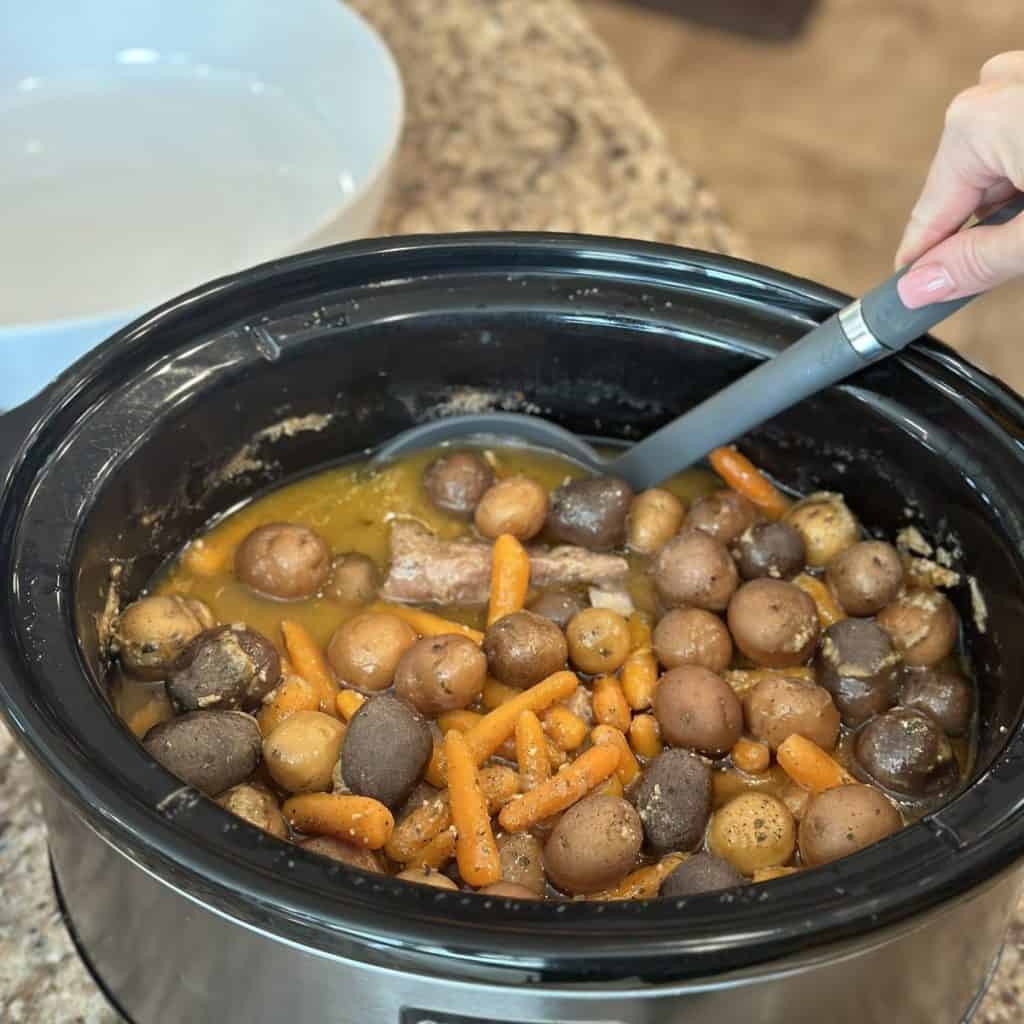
510,578
476,852
566,729
418,828
818,591
495,694
207,556
751,756
290,695
644,883
610,787
497,782
640,672
572,783
349,702
310,663
645,736
531,751
809,766
356,819
426,623
460,719
746,479
498,725
628,768
610,707
435,853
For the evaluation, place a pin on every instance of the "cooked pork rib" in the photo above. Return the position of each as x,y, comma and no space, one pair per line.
425,570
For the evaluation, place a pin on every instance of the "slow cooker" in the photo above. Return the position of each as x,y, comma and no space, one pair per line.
185,913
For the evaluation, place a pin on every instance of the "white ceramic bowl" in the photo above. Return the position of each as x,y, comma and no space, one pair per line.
147,146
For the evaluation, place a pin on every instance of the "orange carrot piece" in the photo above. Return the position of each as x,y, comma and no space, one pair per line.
531,751
426,623
644,883
610,707
495,694
768,874
746,479
566,729
510,578
215,553
498,725
829,609
809,766
645,736
290,695
419,827
356,819
435,853
460,719
310,663
349,702
639,675
628,768
751,756
572,783
612,786
476,852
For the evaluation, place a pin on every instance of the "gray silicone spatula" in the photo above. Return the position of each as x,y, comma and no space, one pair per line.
865,331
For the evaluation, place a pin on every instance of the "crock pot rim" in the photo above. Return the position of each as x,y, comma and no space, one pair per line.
458,924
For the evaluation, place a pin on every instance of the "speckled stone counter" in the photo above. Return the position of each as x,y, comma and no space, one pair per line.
516,118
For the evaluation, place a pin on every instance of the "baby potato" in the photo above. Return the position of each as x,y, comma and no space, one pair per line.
778,708
754,830
515,505
523,648
866,576
522,861
257,806
283,560
353,579
655,517
598,641
703,872
301,752
826,524
427,876
344,853
508,891
844,820
151,633
695,570
697,709
456,481
364,652
692,636
386,749
441,673
922,625
211,750
725,515
773,623
593,845
591,513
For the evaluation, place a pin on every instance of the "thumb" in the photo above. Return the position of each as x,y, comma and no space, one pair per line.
967,263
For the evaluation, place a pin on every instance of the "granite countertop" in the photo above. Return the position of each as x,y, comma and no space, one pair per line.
517,118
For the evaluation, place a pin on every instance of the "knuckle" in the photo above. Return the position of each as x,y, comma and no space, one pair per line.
975,263
1009,64
963,106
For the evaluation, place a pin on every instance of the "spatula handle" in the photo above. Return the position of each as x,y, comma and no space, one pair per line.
861,333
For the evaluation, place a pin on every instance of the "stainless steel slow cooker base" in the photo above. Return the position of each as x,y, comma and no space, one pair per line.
163,958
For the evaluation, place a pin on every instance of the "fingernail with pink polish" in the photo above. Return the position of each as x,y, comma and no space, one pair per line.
930,282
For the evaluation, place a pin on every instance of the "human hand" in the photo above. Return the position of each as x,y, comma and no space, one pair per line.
979,164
